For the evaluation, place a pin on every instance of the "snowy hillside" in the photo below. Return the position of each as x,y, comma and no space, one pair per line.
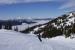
11,40
64,20
21,23
62,25
24,26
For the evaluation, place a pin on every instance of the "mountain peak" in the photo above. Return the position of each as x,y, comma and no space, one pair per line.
71,14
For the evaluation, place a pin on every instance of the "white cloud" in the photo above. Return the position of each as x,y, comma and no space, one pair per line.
7,1
24,1
68,4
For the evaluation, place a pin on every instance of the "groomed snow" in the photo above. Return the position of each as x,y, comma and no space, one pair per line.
11,40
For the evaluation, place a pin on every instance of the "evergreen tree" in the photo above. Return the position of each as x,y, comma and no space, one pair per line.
0,26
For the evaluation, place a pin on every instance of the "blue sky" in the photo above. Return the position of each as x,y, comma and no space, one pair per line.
35,8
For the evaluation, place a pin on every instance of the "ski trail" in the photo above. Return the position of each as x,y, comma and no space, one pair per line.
10,40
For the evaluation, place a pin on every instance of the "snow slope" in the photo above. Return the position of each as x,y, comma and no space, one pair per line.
67,19
25,26
11,40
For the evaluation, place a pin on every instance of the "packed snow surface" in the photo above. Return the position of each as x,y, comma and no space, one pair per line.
11,40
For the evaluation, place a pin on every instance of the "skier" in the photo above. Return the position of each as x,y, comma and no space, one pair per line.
39,37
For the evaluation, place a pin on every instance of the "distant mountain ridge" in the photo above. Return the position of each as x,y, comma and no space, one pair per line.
28,21
14,22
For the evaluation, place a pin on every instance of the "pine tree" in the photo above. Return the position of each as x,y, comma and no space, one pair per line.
0,26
